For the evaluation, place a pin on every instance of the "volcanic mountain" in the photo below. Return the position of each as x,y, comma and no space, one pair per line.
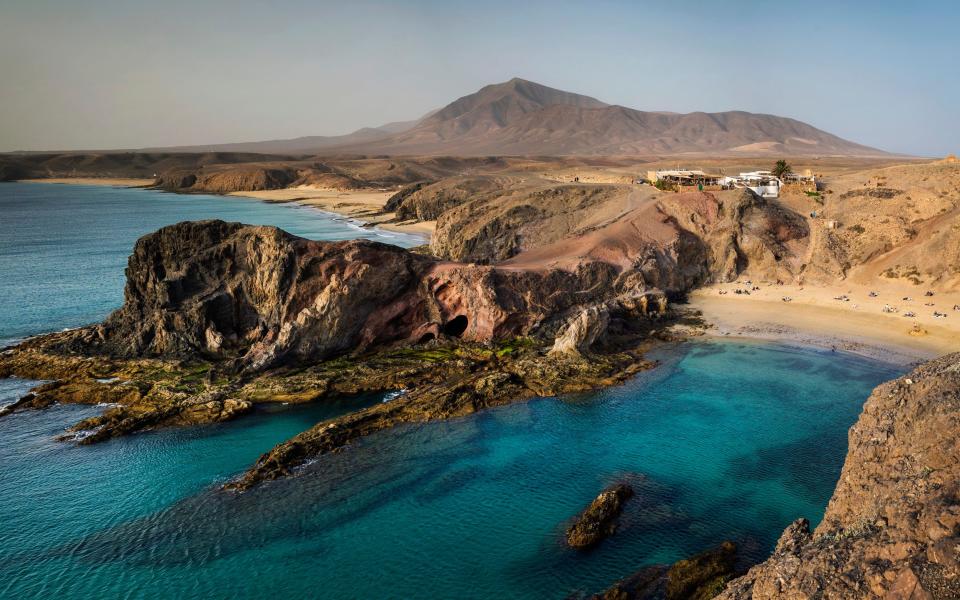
521,117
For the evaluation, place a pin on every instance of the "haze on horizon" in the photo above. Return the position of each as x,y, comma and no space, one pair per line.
107,74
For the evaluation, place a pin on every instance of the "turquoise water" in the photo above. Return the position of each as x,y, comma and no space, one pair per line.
71,244
725,440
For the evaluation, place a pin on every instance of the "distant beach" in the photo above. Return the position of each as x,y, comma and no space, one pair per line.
360,205
364,205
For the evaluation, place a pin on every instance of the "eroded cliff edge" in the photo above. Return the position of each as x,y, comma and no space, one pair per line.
892,528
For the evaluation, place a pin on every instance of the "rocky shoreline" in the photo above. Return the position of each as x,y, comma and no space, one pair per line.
699,577
892,527
219,317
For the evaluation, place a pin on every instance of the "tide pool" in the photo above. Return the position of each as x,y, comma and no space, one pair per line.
723,440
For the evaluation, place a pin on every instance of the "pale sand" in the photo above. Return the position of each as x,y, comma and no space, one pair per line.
108,181
362,205
814,317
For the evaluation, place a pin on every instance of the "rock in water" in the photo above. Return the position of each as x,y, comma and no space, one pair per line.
699,577
598,521
703,576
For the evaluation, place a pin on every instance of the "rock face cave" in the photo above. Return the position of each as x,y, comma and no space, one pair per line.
455,326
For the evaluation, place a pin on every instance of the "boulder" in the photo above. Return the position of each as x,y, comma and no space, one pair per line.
598,520
582,331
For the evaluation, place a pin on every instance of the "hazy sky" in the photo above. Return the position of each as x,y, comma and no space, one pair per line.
128,74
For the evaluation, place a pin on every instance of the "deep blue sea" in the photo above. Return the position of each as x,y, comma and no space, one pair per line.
724,440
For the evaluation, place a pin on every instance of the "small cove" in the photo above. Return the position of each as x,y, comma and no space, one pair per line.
725,440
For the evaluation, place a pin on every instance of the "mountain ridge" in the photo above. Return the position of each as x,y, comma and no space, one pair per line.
521,117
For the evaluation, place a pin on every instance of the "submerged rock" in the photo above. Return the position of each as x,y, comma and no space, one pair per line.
702,576
442,385
598,520
891,529
699,577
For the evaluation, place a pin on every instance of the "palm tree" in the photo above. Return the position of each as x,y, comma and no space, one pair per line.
781,168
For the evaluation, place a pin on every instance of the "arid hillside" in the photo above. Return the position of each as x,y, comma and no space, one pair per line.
137,165
873,219
897,223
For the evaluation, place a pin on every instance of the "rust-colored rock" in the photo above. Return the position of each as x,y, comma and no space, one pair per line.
262,298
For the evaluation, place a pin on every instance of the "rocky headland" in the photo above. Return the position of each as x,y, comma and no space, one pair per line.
890,531
218,317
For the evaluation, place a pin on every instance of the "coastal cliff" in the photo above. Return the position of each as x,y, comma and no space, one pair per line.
892,528
260,298
219,317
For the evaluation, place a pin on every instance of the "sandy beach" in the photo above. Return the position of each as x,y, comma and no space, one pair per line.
824,317
363,205
107,181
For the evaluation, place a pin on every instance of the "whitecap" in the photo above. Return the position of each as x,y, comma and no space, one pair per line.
393,395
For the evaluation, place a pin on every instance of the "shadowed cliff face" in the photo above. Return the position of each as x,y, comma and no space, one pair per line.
892,528
741,230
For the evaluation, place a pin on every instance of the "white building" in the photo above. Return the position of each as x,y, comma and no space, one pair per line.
763,183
